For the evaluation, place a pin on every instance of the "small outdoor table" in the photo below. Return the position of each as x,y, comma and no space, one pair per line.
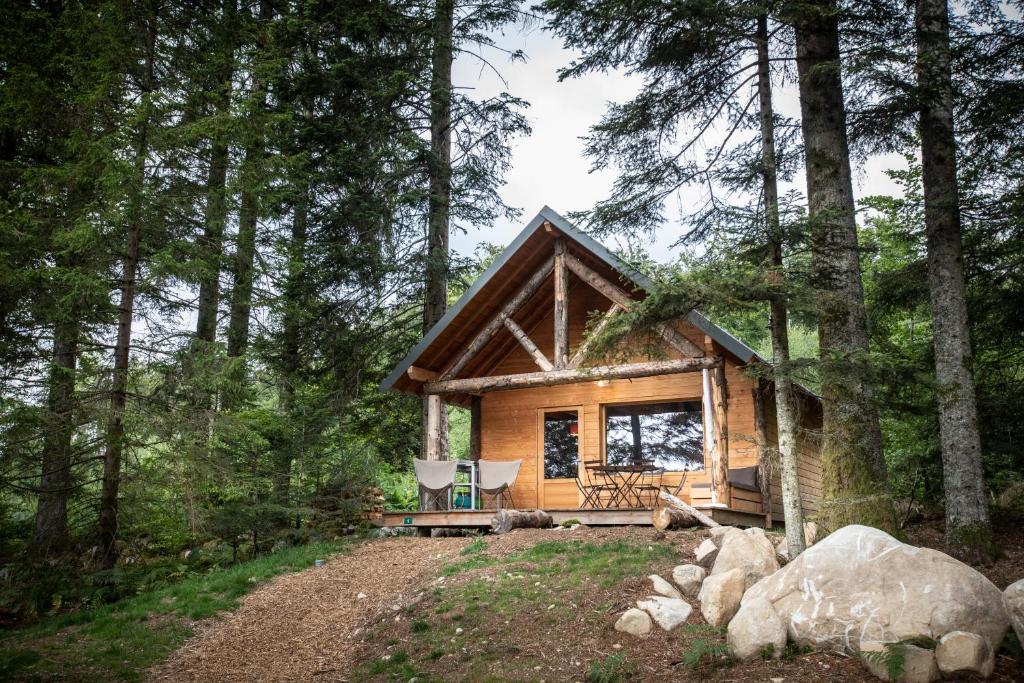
625,478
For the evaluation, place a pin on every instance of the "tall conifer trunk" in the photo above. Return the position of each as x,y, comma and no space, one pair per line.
126,311
785,406
855,482
435,296
968,531
50,534
212,241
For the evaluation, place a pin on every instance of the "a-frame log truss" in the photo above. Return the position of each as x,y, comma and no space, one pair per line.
565,370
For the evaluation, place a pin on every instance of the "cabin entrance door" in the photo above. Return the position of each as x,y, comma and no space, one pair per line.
561,433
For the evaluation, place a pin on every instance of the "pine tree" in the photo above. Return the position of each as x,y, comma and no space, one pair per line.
854,476
968,532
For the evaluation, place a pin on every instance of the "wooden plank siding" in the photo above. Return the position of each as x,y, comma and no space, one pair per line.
512,420
809,451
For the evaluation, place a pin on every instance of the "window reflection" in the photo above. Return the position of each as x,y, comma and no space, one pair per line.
670,435
561,444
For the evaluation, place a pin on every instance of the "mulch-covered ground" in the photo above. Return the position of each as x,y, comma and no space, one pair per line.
533,605
301,627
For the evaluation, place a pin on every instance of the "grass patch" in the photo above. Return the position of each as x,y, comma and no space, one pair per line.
545,582
477,546
118,642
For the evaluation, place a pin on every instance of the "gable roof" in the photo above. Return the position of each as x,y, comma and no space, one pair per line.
583,242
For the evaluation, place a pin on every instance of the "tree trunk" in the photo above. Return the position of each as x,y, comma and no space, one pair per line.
968,531
50,536
855,483
435,297
505,521
126,310
212,241
785,408
664,518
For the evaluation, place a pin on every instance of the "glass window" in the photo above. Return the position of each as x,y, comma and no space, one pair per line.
670,435
561,444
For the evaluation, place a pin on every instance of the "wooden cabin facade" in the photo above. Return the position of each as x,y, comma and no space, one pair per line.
512,351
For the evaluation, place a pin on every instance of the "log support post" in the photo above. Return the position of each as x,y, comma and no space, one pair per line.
475,433
716,438
435,406
524,340
561,306
765,464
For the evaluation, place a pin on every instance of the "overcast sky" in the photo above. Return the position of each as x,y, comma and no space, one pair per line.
548,167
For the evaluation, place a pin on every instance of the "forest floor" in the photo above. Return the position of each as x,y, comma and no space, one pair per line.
533,605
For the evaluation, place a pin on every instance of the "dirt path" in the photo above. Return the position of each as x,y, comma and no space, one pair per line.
300,627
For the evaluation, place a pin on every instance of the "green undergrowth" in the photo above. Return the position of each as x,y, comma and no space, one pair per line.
118,642
466,627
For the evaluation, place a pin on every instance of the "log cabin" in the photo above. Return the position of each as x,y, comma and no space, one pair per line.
513,351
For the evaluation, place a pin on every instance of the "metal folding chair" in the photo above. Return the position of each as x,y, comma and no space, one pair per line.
436,478
496,479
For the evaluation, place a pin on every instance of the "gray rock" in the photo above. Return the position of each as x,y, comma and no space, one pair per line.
755,627
720,596
749,550
1013,601
634,622
861,584
960,653
668,613
689,577
706,553
918,663
663,587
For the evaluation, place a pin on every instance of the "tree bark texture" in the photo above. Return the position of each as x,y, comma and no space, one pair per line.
435,297
505,521
855,484
785,408
113,453
968,531
212,241
50,534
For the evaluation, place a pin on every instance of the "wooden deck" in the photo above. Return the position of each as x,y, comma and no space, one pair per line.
481,519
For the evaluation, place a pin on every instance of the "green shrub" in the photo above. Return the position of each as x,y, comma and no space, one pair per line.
612,669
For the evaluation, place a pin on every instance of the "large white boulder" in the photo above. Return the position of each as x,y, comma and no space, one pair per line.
960,654
663,587
755,627
861,584
1013,600
749,550
689,577
668,613
634,622
720,596
717,534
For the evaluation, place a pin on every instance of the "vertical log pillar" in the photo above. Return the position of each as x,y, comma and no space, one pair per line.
765,466
715,419
435,408
474,427
561,306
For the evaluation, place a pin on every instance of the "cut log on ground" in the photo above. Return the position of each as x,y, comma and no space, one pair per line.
664,518
506,520
689,509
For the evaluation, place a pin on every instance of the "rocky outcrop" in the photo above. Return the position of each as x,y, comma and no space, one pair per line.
668,613
689,577
748,550
634,622
720,596
861,585
756,628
